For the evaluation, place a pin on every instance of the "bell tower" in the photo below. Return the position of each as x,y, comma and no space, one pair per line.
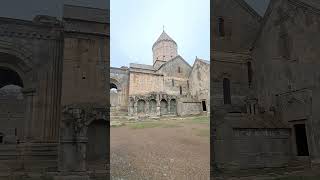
164,49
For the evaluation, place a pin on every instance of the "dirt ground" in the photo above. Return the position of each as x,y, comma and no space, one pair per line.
162,149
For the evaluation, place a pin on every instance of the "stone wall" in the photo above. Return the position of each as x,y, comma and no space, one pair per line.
189,108
233,67
143,83
199,81
241,25
12,114
243,144
120,78
153,105
278,71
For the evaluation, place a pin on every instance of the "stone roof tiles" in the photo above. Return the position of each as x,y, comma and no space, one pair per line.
141,66
163,37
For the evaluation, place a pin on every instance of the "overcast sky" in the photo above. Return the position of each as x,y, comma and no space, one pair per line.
136,25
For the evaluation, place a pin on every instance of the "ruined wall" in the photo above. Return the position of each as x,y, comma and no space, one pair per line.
199,81
279,69
120,77
143,83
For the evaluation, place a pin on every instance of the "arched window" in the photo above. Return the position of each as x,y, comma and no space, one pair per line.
221,31
226,91
9,77
163,107
141,106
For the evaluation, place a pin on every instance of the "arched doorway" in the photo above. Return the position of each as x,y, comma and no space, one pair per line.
97,146
141,106
12,106
163,107
113,95
152,106
173,106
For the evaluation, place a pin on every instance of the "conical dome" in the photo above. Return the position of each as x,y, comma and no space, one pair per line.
163,37
164,49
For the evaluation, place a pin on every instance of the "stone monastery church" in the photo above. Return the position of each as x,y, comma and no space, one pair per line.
170,86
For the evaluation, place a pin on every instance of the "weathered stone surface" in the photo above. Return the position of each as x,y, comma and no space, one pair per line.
271,64
163,89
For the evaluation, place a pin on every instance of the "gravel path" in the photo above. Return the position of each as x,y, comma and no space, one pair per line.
160,152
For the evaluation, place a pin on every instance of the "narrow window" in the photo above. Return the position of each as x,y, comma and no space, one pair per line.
285,46
204,106
179,70
226,91
188,83
180,90
221,27
1,138
249,73
172,82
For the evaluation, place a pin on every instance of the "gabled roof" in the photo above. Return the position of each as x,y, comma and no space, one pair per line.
248,8
202,60
177,57
311,5
141,66
163,37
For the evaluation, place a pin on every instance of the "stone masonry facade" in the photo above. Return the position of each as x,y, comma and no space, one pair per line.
264,84
169,87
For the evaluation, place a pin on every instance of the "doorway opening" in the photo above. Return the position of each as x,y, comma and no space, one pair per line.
204,106
301,140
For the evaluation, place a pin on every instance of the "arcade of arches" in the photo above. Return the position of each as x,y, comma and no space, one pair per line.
171,86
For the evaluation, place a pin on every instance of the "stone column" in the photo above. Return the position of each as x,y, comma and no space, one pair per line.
158,108
135,107
169,104
29,98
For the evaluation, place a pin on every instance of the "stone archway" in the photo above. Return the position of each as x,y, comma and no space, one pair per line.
163,107
141,106
17,86
173,106
12,106
152,106
97,146
114,101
